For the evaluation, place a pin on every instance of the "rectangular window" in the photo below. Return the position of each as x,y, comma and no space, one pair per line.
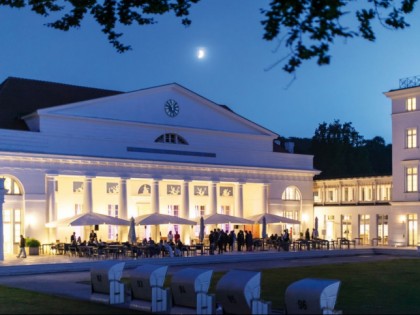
78,208
112,229
346,194
225,210
411,138
316,196
411,104
411,179
331,195
174,210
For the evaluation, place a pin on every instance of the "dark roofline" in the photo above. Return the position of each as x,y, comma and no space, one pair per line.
20,97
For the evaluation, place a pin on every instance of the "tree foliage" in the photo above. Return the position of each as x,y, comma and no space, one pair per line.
306,28
109,14
340,151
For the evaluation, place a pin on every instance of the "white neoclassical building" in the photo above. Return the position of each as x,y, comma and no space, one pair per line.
355,208
66,150
380,209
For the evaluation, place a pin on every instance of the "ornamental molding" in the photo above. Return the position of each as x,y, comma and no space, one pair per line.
73,166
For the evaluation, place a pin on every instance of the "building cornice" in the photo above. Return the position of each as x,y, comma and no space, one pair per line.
105,167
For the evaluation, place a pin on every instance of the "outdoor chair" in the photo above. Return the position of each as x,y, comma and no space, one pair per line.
189,289
312,296
147,291
238,292
105,283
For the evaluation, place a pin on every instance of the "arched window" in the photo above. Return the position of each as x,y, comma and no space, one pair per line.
12,186
171,138
291,193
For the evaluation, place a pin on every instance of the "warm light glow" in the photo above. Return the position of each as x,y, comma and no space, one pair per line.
30,220
201,53
402,218
304,217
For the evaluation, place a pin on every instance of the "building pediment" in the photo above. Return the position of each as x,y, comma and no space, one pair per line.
168,105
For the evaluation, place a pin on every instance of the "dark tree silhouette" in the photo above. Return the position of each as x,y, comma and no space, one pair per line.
305,28
340,151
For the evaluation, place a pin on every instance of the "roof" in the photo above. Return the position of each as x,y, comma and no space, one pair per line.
20,97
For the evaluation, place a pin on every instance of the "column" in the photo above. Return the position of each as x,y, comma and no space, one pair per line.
340,193
213,198
357,193
185,212
2,194
374,192
155,196
239,200
122,207
88,195
265,198
154,200
51,211
50,204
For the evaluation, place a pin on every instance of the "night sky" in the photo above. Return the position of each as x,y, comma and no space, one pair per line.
233,71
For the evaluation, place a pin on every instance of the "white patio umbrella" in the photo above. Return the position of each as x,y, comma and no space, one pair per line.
272,218
202,227
89,218
219,218
132,238
159,218
264,228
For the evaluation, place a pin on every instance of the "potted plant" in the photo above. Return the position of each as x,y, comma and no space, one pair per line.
33,245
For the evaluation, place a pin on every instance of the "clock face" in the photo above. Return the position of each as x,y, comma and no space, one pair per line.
171,108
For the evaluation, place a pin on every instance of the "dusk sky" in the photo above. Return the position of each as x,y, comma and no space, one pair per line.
233,71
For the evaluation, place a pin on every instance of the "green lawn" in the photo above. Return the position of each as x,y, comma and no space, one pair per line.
385,287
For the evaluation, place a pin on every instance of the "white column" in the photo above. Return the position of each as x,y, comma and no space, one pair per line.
340,193
122,207
185,213
154,231
375,192
88,195
51,209
239,200
213,198
2,193
155,196
265,198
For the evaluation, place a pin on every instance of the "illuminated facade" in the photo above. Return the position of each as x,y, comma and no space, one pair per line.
354,208
163,149
380,209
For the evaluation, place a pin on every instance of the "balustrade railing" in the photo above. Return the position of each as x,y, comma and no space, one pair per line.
410,82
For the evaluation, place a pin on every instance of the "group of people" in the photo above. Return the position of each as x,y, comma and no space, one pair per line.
309,236
172,244
224,241
92,241
283,240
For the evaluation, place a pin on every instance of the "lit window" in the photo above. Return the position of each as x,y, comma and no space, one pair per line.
171,138
291,193
12,186
411,104
411,138
411,179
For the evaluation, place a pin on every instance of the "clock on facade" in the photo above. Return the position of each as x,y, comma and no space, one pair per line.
171,108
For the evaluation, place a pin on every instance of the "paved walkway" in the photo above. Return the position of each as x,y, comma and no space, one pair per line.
67,276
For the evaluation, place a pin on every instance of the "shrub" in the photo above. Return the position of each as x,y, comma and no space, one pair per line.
32,242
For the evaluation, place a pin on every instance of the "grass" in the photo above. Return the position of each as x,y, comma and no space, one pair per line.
384,287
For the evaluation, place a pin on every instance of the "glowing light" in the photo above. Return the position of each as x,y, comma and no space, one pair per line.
201,53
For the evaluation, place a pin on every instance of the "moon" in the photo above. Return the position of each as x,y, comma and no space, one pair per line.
201,53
